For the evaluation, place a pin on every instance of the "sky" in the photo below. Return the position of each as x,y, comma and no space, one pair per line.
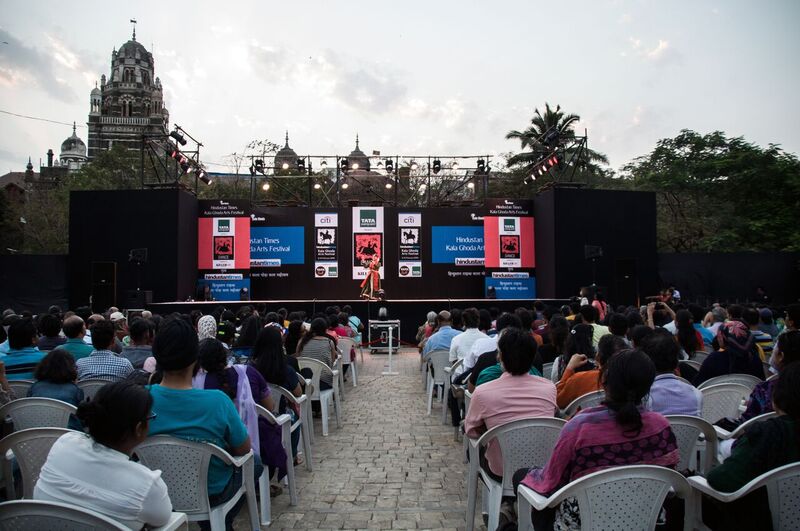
435,78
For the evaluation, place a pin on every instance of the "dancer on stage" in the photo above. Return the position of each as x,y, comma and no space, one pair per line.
372,283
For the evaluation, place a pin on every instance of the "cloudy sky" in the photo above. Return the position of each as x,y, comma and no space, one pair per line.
412,77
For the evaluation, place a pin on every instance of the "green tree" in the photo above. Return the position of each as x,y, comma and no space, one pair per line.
721,194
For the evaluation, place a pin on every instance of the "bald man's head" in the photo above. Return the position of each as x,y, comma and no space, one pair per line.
74,327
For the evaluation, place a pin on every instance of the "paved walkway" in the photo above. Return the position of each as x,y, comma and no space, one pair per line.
390,466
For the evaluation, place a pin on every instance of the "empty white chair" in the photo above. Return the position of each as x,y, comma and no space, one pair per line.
747,380
20,387
284,421
327,396
627,497
184,468
687,432
37,413
523,443
582,402
30,448
782,484
345,345
35,515
723,400
90,386
437,377
302,423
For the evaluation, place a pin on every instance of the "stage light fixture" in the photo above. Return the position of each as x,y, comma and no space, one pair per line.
265,186
203,175
178,137
355,166
343,165
480,166
345,185
301,165
259,166
437,165
389,166
414,165
389,185
183,162
470,185
317,186
285,166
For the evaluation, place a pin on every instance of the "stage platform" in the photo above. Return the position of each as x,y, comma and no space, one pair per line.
411,312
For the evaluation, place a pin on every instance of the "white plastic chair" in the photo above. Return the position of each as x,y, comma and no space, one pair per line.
582,402
723,400
693,364
449,370
523,443
37,413
747,380
783,488
626,497
547,370
20,387
328,395
345,344
90,386
462,428
337,367
699,356
303,422
184,468
30,448
306,411
439,359
687,430
35,515
724,434
284,421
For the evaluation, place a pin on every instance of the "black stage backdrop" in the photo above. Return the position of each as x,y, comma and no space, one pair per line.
103,228
571,222
33,282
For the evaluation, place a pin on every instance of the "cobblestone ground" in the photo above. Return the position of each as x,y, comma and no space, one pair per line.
390,466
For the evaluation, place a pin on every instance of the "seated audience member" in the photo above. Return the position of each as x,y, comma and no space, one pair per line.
75,330
55,378
688,337
737,354
442,338
140,348
197,414
714,319
103,362
494,372
589,314
6,394
618,326
50,330
8,319
526,317
762,339
639,333
766,323
243,345
294,332
763,447
95,471
23,356
698,312
579,341
461,344
484,351
515,394
575,384
630,435
245,386
318,345
270,361
206,328
668,394
120,330
556,343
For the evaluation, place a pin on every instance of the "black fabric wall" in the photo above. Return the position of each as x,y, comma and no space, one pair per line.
105,225
709,277
33,282
622,223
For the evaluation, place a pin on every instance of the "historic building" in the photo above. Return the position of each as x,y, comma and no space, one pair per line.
129,104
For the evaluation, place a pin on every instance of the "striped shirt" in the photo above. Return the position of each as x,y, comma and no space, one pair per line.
21,363
320,350
104,364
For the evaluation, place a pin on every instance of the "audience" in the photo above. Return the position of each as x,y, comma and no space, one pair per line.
590,317
140,347
443,337
737,354
575,383
762,339
23,355
75,330
669,395
103,363
318,345
579,341
461,344
556,343
95,470
627,433
50,330
55,378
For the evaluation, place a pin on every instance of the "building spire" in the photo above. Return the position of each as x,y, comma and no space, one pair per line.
73,128
133,21
356,140
287,139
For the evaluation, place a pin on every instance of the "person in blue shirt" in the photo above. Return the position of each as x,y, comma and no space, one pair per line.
442,338
197,414
697,321
75,330
23,356
55,378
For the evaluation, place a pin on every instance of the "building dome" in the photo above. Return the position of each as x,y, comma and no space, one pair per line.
286,155
133,48
95,91
73,146
358,157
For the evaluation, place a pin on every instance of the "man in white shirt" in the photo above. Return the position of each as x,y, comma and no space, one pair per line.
462,343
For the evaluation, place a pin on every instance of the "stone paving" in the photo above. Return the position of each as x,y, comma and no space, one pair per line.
390,466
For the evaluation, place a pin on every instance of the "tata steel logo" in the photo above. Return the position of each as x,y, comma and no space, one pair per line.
223,225
320,271
404,271
369,218
509,225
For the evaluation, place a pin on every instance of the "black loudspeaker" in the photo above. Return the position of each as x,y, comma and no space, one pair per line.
592,251
626,280
104,285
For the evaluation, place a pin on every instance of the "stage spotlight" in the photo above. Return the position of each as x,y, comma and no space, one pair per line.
437,165
389,166
345,185
343,165
285,166
454,165
317,186
355,165
265,186
259,166
183,162
480,167
470,185
178,137
203,175
301,165
388,185
414,165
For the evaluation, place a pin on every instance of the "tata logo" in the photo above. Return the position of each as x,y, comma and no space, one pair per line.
320,271
509,225
223,225
369,218
404,271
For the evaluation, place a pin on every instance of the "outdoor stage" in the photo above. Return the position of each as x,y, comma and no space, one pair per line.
410,312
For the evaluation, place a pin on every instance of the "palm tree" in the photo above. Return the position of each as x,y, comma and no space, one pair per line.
553,128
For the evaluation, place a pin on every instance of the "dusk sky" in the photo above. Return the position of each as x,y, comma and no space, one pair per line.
413,77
